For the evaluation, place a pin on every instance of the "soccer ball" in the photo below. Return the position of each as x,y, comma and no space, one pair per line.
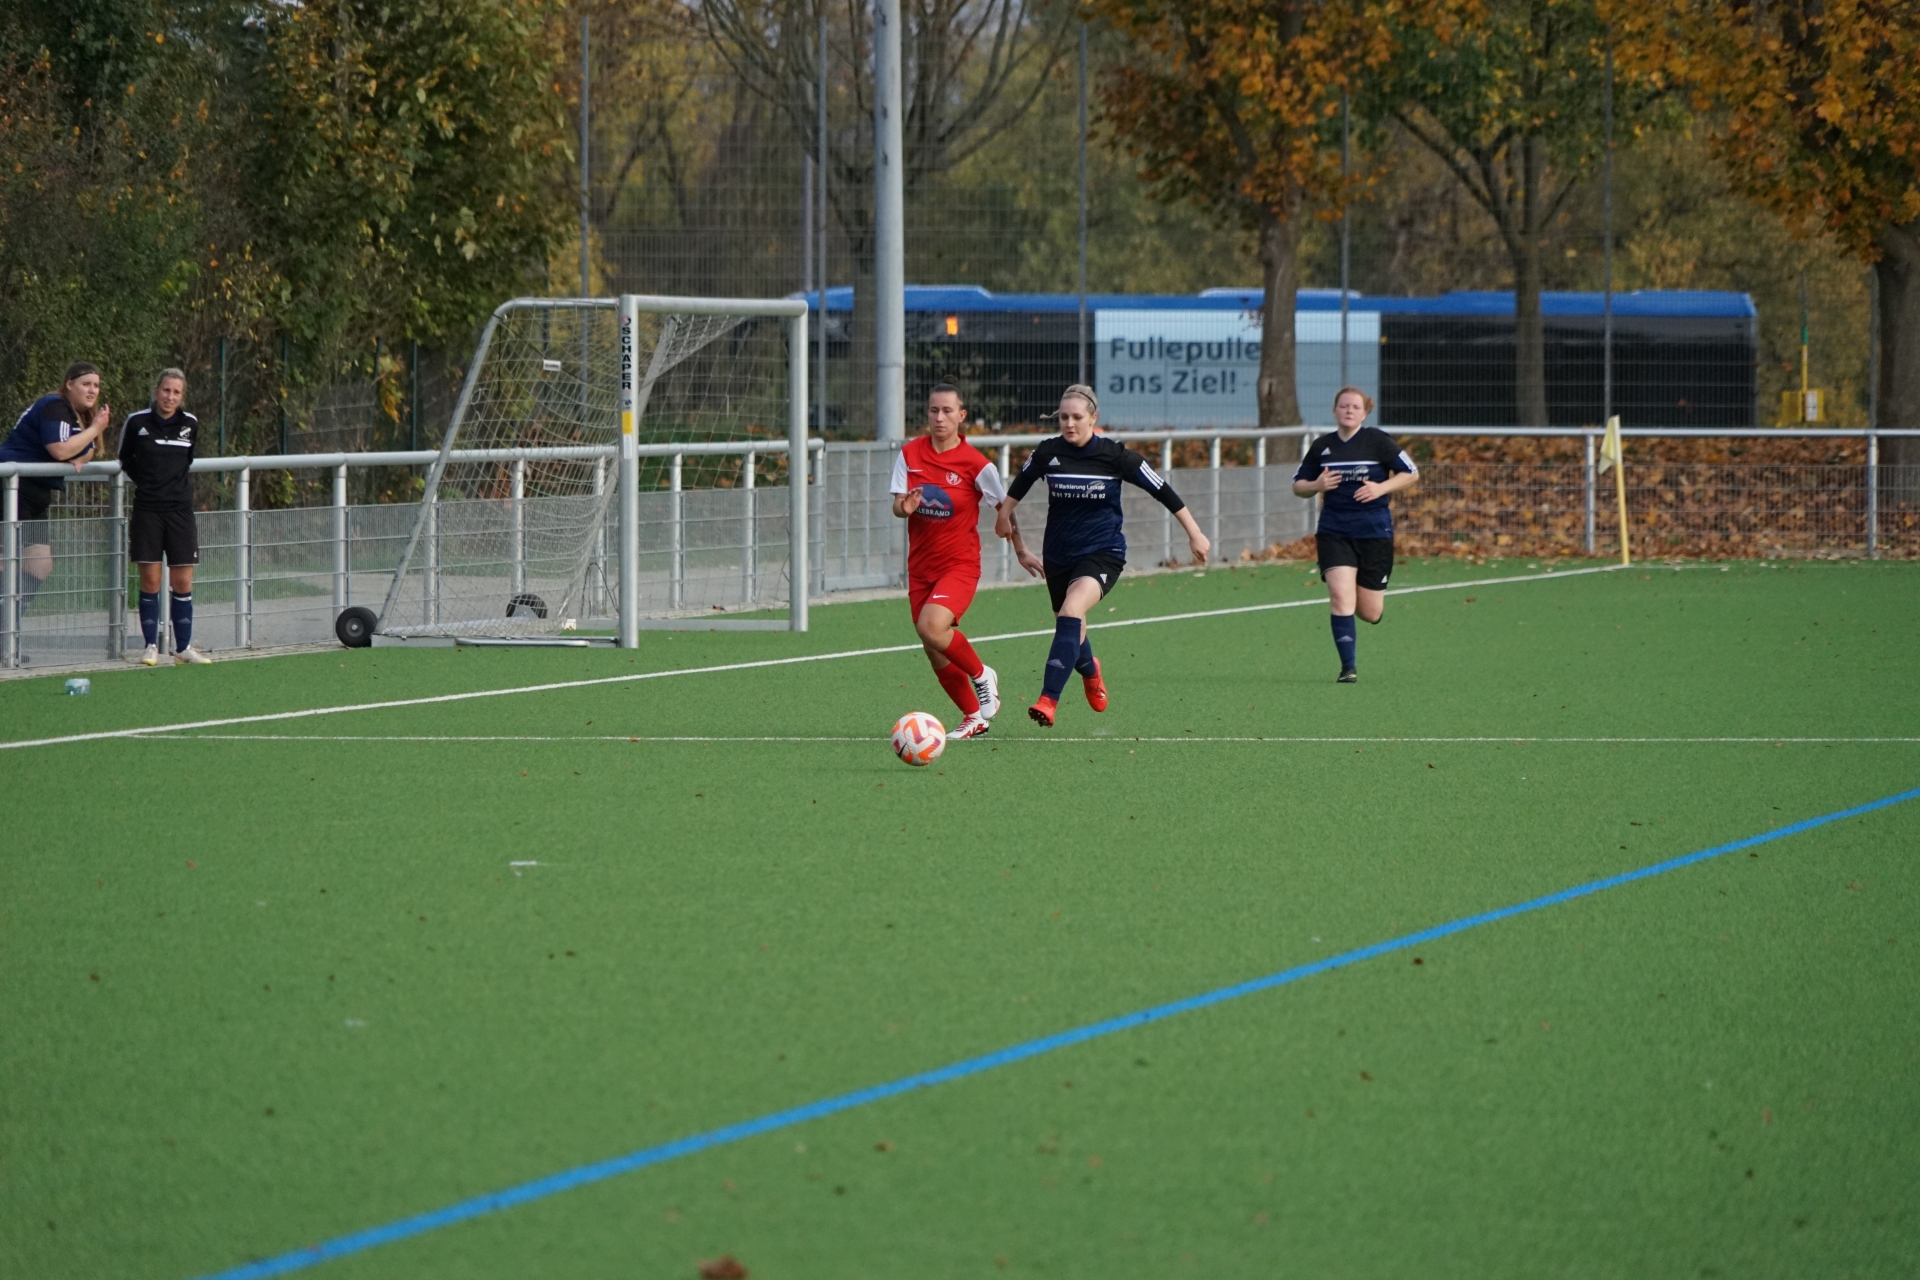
918,738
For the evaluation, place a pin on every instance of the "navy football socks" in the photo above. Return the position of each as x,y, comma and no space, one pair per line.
182,613
1062,657
1085,665
150,617
1345,639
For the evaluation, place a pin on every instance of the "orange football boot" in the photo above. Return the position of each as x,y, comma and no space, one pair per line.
1096,688
1043,711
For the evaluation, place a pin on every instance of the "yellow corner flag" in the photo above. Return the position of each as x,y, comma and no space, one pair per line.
1610,456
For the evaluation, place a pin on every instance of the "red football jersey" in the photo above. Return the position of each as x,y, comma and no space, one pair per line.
944,531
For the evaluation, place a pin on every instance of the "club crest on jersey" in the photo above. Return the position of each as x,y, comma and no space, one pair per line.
952,478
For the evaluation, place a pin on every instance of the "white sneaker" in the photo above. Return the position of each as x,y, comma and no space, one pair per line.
190,657
974,726
987,689
151,658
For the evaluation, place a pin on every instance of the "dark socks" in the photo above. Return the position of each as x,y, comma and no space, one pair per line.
1344,639
182,613
1085,665
29,588
150,617
1062,657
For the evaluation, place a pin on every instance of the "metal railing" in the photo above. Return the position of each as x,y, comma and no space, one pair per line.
280,576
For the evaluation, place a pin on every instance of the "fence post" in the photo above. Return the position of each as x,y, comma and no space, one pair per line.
10,575
413,396
629,480
1006,544
243,561
799,527
677,538
1588,484
750,551
117,569
597,570
221,447
1873,495
340,565
1166,517
517,528
820,477
1260,496
1213,484
431,533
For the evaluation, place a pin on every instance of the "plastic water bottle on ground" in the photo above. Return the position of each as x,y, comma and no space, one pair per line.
78,686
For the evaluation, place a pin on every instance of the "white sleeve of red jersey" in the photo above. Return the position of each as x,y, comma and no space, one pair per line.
899,484
991,486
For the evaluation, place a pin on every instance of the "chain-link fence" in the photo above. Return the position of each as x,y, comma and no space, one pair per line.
715,541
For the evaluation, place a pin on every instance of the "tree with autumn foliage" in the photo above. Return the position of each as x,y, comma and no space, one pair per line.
1509,95
1235,105
173,174
1817,116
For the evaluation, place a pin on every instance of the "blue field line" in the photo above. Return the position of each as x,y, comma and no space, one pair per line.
587,1174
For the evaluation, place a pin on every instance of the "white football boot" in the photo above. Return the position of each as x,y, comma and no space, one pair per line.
151,658
973,726
190,657
987,689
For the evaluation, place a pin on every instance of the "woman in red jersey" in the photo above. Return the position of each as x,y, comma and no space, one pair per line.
939,481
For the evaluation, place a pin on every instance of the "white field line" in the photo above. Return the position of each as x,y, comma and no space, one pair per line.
159,736
270,717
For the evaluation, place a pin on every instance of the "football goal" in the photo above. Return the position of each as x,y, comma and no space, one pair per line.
603,472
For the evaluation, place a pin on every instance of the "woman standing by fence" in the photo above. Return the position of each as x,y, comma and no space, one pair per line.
52,430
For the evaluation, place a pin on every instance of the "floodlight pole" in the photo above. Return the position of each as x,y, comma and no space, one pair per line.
1606,291
586,172
1346,227
629,478
1083,205
1606,247
1873,414
820,139
799,530
889,209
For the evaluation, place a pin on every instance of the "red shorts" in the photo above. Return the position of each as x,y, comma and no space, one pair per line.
950,588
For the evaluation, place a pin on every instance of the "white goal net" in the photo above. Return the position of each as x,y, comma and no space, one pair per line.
523,530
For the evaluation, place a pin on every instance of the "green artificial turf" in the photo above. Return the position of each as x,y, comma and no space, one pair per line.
261,993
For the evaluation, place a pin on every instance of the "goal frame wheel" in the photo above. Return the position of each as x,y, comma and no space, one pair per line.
354,627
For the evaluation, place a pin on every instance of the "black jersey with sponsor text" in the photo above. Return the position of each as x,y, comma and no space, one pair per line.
1083,494
1370,454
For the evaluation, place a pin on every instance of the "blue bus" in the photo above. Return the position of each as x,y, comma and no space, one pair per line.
1685,358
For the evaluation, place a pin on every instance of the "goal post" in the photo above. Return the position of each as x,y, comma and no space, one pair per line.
579,418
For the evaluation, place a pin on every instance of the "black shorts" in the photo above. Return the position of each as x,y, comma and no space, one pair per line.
36,496
1373,557
1103,567
154,534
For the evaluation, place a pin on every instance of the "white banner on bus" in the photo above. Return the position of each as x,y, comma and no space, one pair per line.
1158,369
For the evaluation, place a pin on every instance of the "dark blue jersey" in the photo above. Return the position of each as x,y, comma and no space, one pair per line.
48,420
1369,455
1083,494
156,453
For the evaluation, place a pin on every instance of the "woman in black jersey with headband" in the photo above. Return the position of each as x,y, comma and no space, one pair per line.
1084,550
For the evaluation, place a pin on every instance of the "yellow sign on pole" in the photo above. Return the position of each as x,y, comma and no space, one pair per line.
1611,457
